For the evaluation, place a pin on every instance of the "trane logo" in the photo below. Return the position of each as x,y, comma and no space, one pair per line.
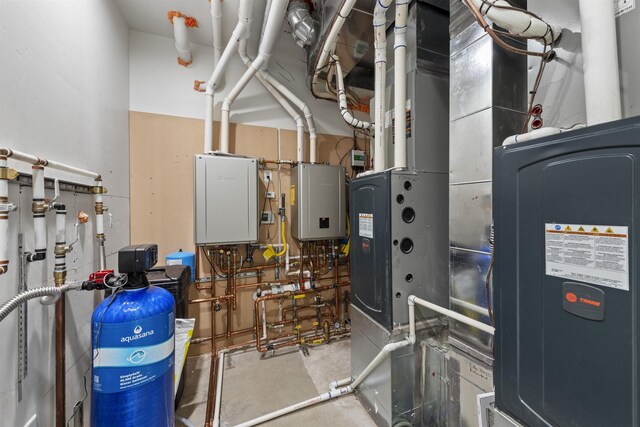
137,334
572,298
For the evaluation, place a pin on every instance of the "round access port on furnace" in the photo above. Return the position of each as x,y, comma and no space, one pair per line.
408,215
400,199
407,185
408,278
406,245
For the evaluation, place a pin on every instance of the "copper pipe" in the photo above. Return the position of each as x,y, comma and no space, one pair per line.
235,280
219,298
211,392
224,335
60,361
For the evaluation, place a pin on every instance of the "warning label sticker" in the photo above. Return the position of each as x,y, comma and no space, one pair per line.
624,6
597,254
365,225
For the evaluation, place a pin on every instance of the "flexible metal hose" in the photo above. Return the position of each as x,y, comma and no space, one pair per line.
47,291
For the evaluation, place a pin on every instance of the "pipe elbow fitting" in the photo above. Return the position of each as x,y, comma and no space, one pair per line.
411,300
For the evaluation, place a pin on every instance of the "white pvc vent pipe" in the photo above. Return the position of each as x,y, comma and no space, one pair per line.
276,15
380,44
600,61
218,72
181,35
216,26
342,101
400,84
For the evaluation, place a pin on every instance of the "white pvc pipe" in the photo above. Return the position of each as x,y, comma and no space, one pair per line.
39,220
30,158
276,15
346,386
218,72
537,133
520,23
380,44
102,256
600,57
330,42
313,136
400,84
342,101
216,26
216,415
181,36
454,315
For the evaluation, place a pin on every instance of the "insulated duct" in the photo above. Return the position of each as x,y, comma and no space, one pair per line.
301,23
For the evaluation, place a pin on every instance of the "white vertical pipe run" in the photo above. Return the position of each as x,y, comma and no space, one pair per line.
400,84
600,56
276,15
217,74
379,28
39,220
181,35
100,237
216,26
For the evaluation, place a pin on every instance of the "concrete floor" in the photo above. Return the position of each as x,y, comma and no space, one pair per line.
253,386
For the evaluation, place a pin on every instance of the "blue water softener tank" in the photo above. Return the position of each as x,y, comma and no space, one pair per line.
133,349
183,258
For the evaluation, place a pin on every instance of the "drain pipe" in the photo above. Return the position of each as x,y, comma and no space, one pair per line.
216,26
400,84
242,51
216,76
276,15
347,386
342,100
380,28
600,57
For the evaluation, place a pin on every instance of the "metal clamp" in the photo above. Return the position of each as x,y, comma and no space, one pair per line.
99,189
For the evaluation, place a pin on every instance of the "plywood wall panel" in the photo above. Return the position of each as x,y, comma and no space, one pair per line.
161,156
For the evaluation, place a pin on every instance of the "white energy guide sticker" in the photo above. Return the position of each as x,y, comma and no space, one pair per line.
365,225
597,254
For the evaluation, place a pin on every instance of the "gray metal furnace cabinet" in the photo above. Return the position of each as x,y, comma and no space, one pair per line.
226,199
318,202
399,242
567,211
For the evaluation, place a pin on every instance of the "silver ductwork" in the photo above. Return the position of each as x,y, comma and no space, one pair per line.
301,23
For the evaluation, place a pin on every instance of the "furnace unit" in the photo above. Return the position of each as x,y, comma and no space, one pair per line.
566,212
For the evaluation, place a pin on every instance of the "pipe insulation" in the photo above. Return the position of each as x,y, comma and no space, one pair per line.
380,44
181,37
218,72
600,57
276,15
342,101
16,301
519,23
400,84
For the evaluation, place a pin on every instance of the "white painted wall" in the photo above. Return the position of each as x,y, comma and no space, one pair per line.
159,85
64,95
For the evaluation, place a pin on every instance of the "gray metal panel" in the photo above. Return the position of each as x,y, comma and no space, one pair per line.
629,58
551,365
428,146
470,216
392,392
427,263
226,200
318,208
473,139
